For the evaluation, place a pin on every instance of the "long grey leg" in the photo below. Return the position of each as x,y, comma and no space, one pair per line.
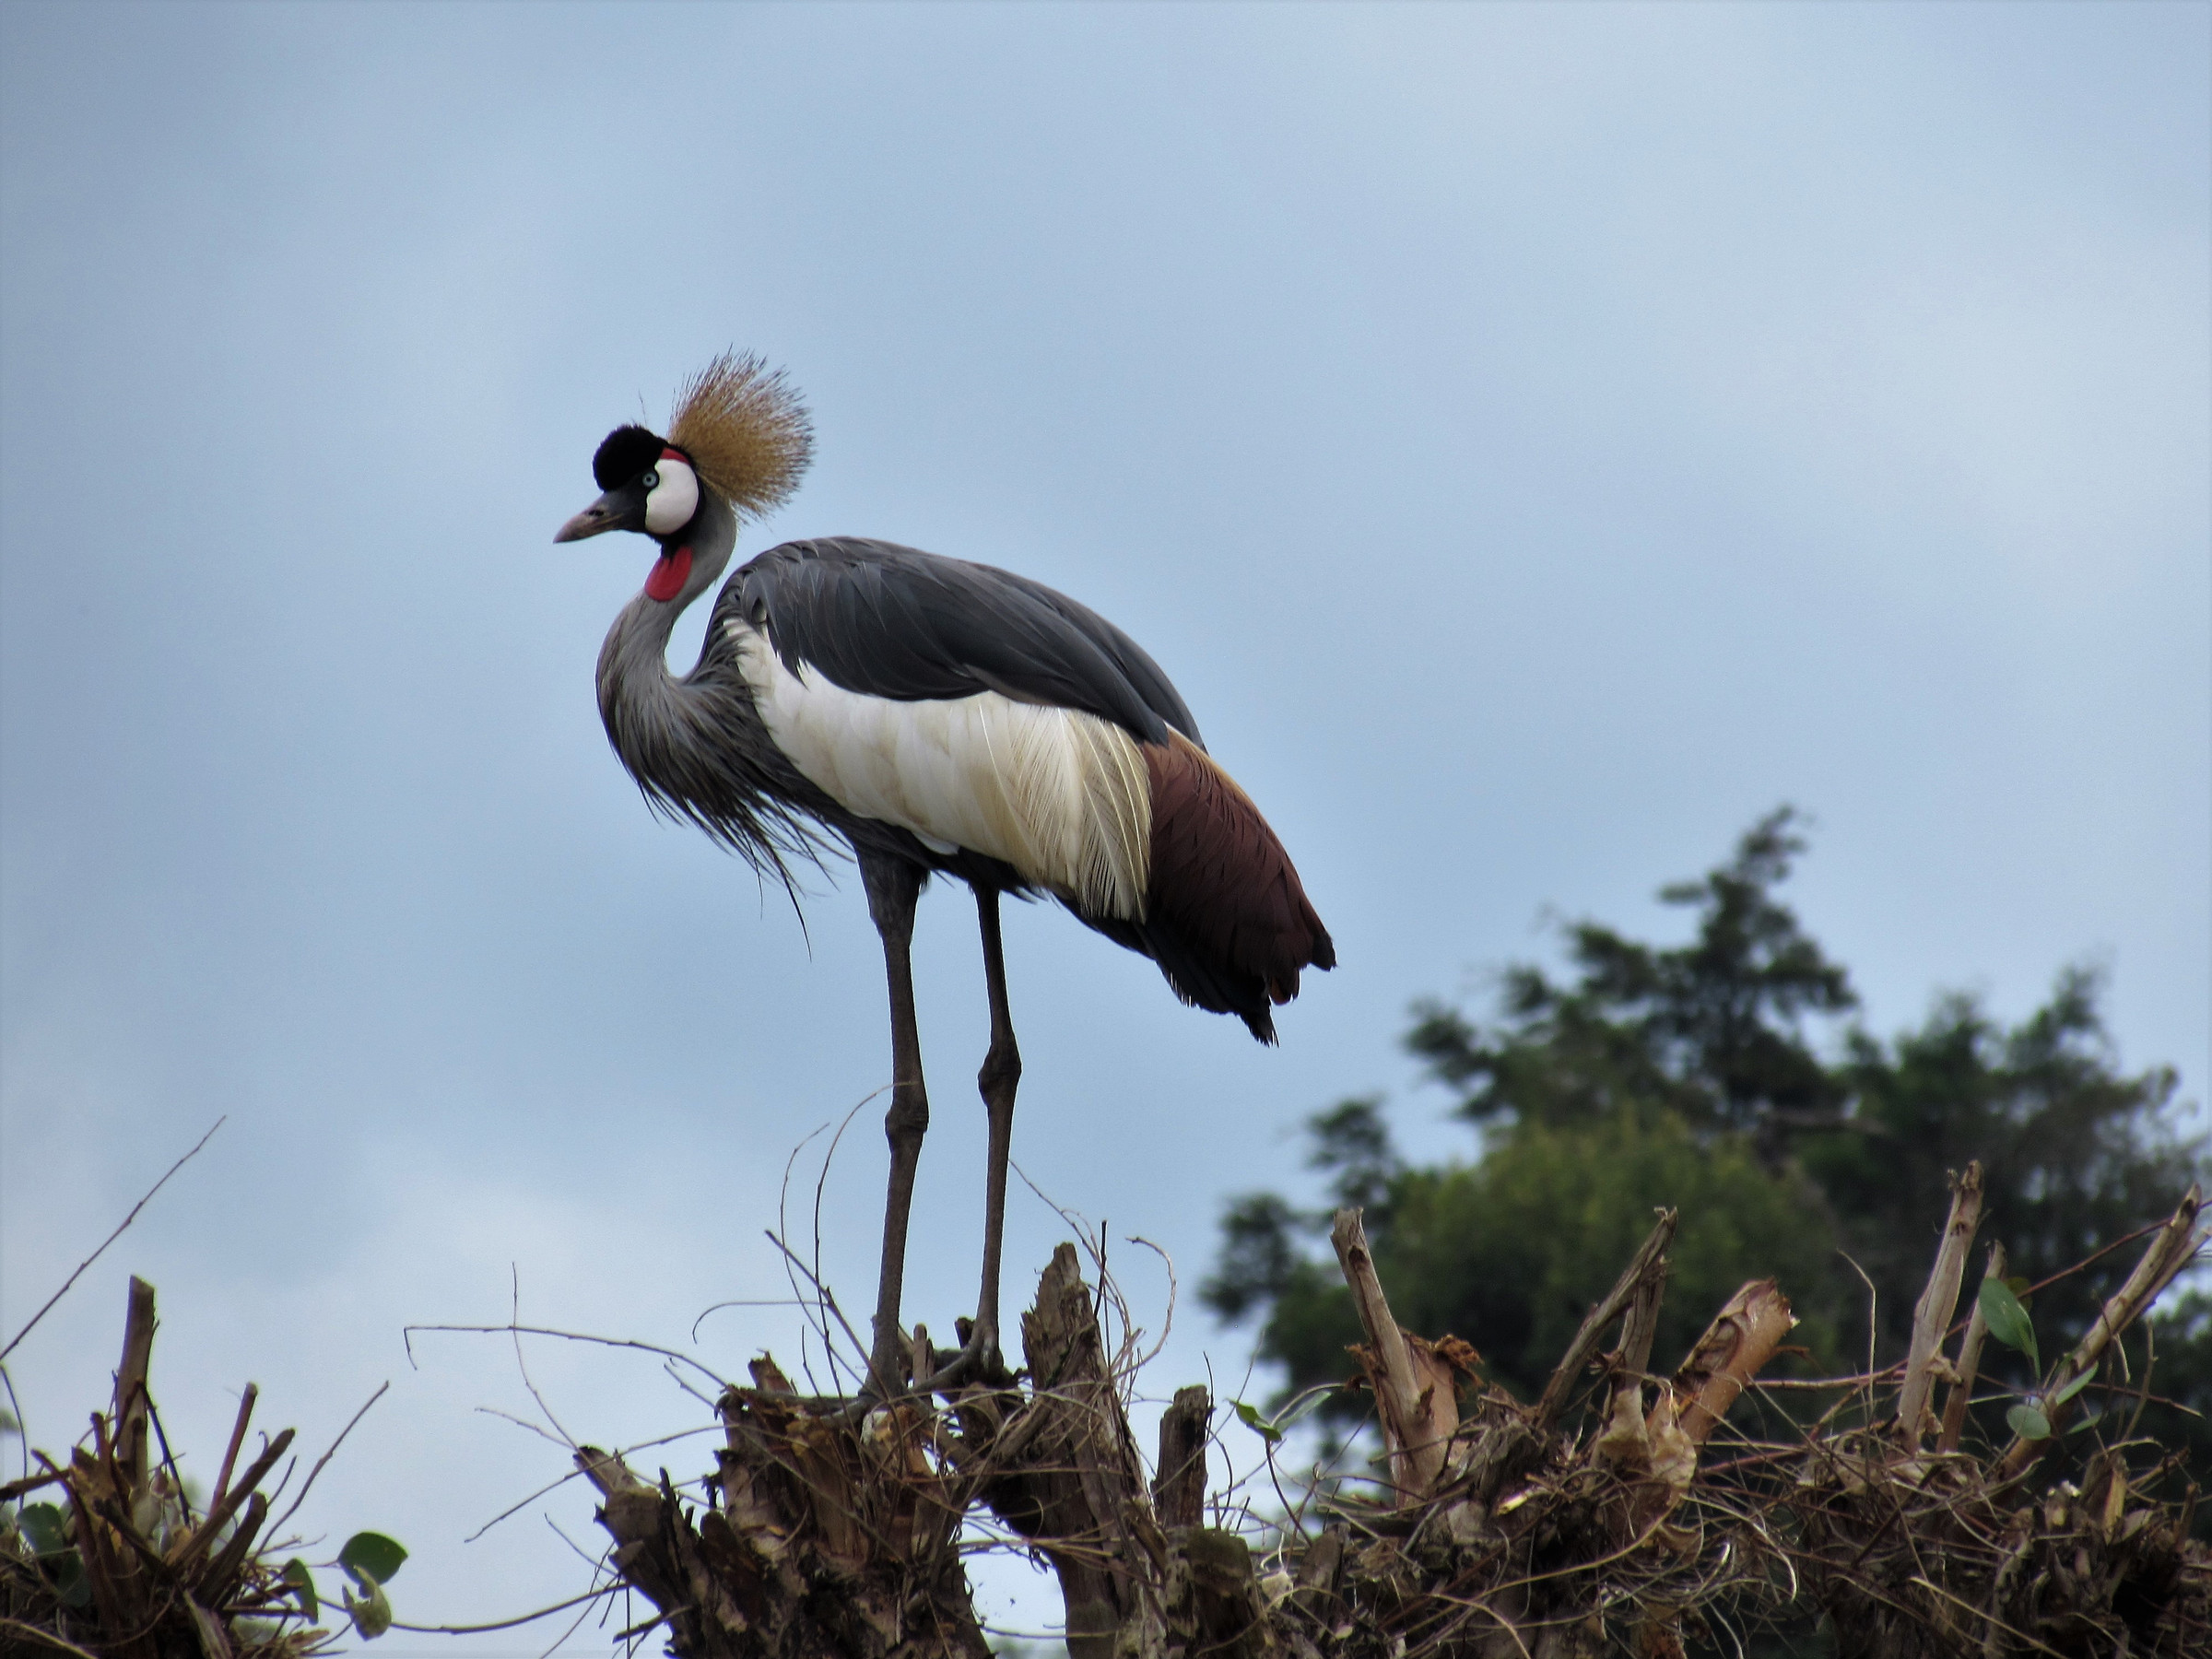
893,888
1001,1075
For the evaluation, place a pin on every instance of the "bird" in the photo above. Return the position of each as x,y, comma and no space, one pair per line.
931,717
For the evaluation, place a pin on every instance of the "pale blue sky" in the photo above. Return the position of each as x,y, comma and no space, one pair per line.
1537,441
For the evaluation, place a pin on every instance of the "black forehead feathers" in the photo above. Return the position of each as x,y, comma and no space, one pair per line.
628,451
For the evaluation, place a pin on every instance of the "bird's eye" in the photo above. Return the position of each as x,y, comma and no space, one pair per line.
651,480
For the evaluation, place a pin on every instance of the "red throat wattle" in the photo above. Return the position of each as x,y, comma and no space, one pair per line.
669,574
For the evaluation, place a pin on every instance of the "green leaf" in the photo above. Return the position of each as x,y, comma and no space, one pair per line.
70,1582
372,1615
373,1555
301,1583
2075,1387
2028,1423
2007,1321
46,1528
1249,1416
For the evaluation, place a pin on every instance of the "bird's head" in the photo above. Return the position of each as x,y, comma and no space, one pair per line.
649,486
737,444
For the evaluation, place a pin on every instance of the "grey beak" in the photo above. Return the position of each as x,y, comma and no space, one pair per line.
604,514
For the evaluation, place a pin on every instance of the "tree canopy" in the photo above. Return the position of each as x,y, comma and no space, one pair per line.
1729,1077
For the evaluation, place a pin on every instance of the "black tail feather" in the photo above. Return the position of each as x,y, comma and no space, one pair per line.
1211,985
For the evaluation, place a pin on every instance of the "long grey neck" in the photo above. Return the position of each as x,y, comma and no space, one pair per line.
637,645
644,705
695,744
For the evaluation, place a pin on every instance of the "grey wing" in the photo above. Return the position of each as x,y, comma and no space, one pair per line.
891,621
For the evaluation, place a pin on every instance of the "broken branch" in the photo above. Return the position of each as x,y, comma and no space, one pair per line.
1932,1314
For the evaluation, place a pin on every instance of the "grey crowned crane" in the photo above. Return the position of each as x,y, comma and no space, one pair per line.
941,718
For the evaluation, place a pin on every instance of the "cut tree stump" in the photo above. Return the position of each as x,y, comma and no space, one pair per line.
1608,1518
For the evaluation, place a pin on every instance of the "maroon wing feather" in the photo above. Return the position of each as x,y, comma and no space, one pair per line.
1226,914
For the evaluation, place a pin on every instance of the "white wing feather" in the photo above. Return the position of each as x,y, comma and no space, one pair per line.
1060,795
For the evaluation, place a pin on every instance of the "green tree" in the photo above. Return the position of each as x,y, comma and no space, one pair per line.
1718,1077
2075,1152
1511,1251
1712,1030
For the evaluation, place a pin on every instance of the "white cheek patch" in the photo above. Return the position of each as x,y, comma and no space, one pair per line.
672,501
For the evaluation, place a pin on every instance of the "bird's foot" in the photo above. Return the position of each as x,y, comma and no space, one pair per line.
977,1362
927,1370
